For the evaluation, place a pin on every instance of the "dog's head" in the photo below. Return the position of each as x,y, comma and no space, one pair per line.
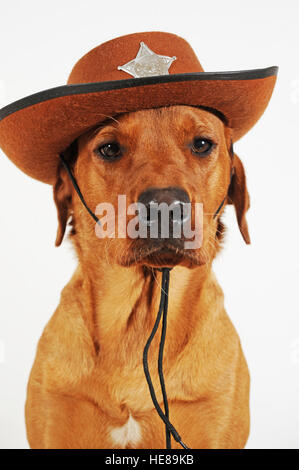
178,156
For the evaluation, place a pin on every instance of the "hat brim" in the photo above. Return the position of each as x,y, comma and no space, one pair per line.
35,129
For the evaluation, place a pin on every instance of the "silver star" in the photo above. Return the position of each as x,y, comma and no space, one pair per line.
147,63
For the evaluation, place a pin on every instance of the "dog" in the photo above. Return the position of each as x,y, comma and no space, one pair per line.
87,387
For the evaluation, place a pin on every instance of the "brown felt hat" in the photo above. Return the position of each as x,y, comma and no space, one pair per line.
129,73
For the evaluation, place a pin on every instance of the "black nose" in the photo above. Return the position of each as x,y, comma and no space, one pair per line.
153,199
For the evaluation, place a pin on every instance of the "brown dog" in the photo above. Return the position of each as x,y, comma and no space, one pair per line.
87,387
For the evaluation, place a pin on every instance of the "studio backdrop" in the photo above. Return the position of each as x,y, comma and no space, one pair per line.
39,44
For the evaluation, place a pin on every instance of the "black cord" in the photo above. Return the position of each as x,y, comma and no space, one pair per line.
160,359
163,307
76,186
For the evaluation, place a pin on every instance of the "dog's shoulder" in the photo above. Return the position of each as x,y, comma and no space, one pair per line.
66,350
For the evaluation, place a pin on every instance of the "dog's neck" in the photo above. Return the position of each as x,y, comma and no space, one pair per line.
123,304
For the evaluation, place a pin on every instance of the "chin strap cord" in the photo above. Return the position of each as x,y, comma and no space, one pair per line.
169,428
76,187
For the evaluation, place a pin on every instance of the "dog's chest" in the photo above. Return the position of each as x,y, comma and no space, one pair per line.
128,434
129,388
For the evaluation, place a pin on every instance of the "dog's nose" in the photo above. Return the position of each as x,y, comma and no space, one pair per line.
153,200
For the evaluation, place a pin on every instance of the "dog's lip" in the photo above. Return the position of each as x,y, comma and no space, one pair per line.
161,248
167,253
161,257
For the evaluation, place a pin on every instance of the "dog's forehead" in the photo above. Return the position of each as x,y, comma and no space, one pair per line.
173,118
180,115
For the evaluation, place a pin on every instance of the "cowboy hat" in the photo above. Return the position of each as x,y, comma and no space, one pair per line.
126,74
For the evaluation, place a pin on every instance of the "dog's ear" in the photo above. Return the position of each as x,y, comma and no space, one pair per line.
239,197
62,197
62,191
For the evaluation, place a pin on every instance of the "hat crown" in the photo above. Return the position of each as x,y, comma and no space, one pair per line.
106,61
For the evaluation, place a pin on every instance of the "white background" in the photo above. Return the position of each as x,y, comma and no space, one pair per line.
39,44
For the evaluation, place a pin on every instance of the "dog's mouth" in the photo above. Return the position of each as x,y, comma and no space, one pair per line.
162,253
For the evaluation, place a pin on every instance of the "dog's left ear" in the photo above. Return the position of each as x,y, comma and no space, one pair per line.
238,196
62,192
63,197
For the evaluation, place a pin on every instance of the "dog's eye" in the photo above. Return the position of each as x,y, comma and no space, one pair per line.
109,151
201,146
